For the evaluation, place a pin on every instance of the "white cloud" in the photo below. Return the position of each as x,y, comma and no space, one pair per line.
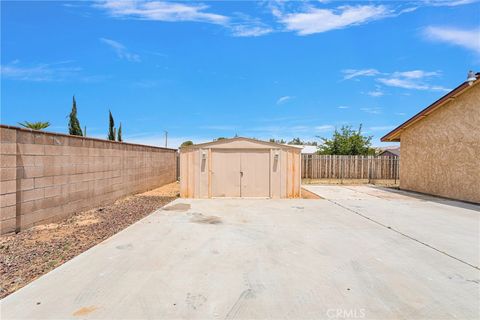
324,128
60,71
308,20
405,83
415,74
375,93
466,38
243,25
284,99
161,11
245,30
353,73
311,19
316,20
240,25
411,79
372,110
343,107
449,3
121,50
408,10
401,83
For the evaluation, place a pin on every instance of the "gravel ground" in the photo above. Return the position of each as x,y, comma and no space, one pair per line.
34,252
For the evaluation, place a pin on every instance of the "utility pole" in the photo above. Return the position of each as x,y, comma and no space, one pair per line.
166,138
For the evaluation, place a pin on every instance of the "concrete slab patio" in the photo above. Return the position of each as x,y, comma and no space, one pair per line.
246,259
451,227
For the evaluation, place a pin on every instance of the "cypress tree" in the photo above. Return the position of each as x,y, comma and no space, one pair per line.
119,136
73,124
111,127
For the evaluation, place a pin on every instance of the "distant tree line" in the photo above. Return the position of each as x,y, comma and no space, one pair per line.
299,142
281,141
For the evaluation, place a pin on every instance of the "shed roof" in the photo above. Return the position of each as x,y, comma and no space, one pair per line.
394,135
224,141
309,149
394,151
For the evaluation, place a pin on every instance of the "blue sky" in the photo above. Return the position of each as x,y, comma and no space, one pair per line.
201,70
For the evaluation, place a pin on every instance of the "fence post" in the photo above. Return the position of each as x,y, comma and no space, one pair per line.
341,169
369,169
312,169
177,154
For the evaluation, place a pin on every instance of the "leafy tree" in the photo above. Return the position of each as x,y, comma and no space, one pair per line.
39,125
111,127
73,124
85,131
219,138
347,142
119,134
186,143
281,141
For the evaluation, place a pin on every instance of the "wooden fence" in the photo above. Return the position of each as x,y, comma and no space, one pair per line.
350,167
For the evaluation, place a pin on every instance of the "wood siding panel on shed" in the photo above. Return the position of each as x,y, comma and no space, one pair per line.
225,173
255,177
187,165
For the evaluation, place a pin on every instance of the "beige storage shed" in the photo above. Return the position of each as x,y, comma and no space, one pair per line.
240,168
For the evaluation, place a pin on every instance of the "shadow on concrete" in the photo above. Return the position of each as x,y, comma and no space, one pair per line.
431,198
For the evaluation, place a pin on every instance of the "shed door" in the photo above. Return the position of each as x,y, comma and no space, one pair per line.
225,173
255,173
240,173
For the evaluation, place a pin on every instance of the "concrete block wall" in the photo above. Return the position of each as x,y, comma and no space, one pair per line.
46,176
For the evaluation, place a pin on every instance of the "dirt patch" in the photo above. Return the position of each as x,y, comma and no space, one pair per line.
168,190
200,218
84,311
178,207
309,195
86,219
34,252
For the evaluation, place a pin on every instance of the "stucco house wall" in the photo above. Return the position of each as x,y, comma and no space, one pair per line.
441,153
